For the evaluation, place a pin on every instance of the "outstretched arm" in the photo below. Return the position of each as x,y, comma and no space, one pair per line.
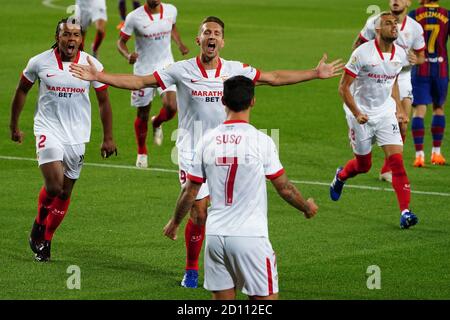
285,77
17,107
176,37
124,81
108,145
292,196
184,204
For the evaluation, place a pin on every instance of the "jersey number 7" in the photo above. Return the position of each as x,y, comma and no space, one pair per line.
232,164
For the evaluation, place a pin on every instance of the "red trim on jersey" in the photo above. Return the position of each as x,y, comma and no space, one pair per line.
149,13
161,12
219,67
245,65
351,74
424,47
160,82
362,38
393,51
275,175
269,276
201,67
124,36
77,58
26,80
196,179
234,121
58,59
378,49
404,23
103,87
257,76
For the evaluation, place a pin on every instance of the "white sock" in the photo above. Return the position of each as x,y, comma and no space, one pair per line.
405,211
436,150
420,154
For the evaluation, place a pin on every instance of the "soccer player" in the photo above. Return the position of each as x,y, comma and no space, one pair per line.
236,159
93,12
410,38
62,127
123,11
199,84
373,114
430,80
154,26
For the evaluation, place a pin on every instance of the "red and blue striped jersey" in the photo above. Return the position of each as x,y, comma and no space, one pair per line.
434,20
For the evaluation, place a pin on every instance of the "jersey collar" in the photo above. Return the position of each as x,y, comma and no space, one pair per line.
203,71
432,5
58,58
404,23
234,121
149,13
381,53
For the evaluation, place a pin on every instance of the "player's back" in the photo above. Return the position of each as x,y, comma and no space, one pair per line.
434,20
236,159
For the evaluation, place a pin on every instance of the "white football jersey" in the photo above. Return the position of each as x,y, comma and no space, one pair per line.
410,36
375,74
153,37
85,4
63,108
199,95
235,159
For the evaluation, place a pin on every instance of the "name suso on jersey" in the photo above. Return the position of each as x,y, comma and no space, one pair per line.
199,94
64,107
375,73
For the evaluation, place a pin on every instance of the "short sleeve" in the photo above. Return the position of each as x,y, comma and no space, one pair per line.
30,74
419,40
98,86
168,76
354,65
127,30
368,32
196,172
272,165
175,13
247,71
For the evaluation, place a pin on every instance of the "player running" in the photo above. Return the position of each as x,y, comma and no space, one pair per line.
199,84
373,114
62,126
235,158
430,80
154,24
122,4
410,39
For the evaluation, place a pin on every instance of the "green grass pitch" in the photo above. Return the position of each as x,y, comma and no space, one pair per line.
113,230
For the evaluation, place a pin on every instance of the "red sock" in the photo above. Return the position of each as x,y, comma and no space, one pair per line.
360,164
140,129
385,167
163,116
400,181
99,36
44,202
193,235
57,212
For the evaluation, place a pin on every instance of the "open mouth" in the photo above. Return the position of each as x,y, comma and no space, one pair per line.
211,47
70,49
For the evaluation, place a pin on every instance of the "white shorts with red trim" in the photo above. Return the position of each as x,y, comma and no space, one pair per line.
383,130
405,85
50,149
185,160
143,97
89,15
245,263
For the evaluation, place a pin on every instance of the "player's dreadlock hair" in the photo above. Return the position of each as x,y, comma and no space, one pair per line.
216,20
66,20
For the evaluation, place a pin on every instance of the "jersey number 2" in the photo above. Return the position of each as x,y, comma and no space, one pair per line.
41,143
232,164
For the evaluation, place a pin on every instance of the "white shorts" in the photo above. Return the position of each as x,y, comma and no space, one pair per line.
184,164
405,86
143,97
97,11
50,149
384,130
245,263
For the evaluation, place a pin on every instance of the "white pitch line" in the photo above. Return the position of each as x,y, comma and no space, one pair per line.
103,165
49,4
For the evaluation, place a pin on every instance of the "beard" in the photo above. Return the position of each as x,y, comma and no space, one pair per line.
397,12
388,39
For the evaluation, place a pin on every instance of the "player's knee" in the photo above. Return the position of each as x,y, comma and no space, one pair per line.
171,107
396,162
364,163
54,189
